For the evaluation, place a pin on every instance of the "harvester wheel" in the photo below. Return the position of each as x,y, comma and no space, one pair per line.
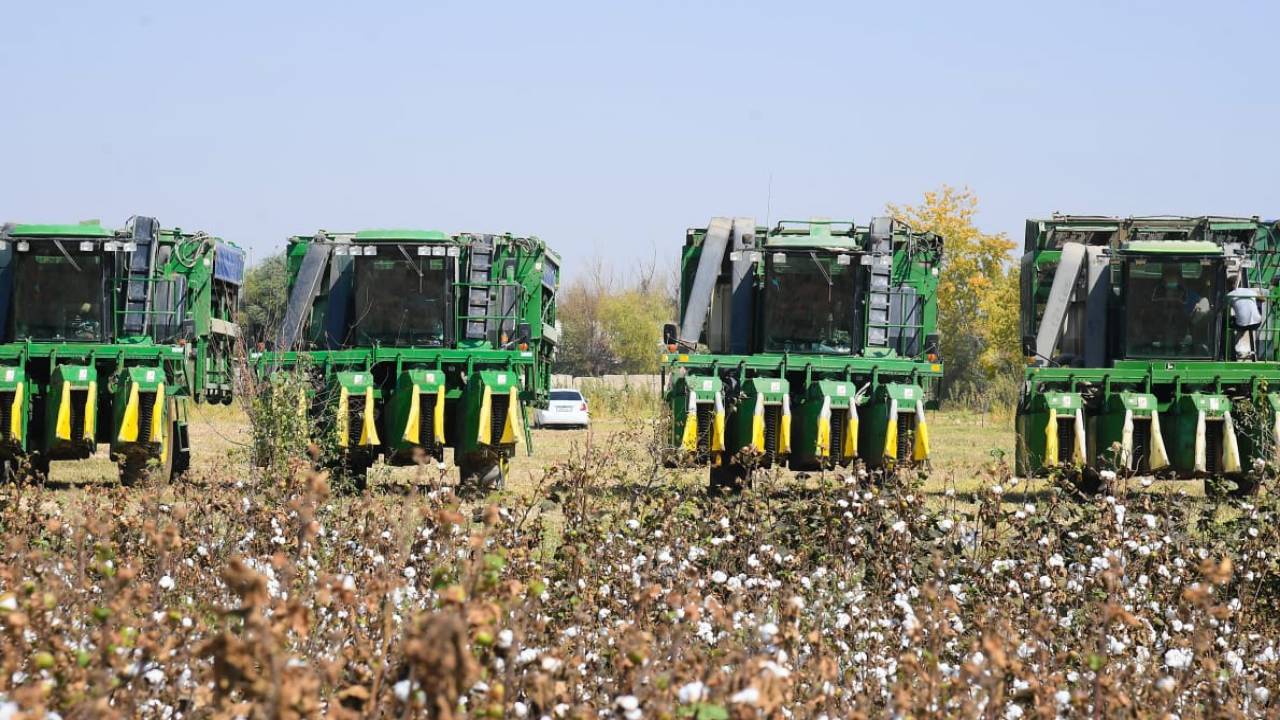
727,478
356,468
133,467
484,476
1245,486
38,467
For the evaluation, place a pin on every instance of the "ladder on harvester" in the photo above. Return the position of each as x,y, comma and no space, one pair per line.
479,297
137,306
879,293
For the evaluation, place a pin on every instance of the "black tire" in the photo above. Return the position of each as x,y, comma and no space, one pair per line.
356,468
133,468
38,467
727,479
484,476
1245,487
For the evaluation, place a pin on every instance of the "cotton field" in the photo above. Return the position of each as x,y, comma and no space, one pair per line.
610,590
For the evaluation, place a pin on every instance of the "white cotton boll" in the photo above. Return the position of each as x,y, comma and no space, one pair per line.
627,702
348,583
401,690
505,638
1013,712
1178,658
900,527
1062,697
410,572
719,576
1261,694
746,696
633,523
945,524
520,709
768,630
167,583
691,693
155,676
1166,684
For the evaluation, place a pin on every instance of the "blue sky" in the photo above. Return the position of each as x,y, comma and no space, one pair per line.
608,128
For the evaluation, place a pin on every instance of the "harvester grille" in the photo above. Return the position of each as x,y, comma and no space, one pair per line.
772,428
906,436
1066,439
355,419
1213,446
498,417
839,426
1141,462
427,421
146,409
79,398
6,415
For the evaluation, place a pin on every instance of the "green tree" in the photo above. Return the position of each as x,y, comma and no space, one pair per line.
612,326
977,291
263,299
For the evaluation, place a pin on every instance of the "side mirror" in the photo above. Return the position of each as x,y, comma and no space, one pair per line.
670,334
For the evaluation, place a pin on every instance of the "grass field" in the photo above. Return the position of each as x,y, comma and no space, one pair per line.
963,443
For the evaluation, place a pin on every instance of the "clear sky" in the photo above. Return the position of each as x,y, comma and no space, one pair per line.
607,128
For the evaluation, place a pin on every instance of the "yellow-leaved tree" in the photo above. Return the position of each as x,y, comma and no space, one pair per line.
977,296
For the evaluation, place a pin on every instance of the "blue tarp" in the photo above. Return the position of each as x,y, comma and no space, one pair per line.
228,263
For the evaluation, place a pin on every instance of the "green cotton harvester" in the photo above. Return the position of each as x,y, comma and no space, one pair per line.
1151,348
108,335
808,345
419,340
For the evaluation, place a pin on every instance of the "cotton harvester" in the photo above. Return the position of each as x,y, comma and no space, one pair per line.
809,345
418,341
1150,346
108,335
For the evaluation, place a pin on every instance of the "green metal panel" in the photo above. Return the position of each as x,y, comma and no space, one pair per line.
92,229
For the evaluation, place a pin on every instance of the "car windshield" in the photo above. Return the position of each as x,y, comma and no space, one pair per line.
57,293
401,300
808,304
1173,308
565,395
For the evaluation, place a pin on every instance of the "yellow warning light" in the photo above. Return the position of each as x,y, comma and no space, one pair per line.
935,367
683,358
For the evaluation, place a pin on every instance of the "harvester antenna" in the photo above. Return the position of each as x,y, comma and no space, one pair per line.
768,204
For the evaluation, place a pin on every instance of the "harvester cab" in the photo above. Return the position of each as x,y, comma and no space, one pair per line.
808,345
107,336
419,341
1150,347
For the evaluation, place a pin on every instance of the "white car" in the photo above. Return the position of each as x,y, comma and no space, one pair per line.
567,409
